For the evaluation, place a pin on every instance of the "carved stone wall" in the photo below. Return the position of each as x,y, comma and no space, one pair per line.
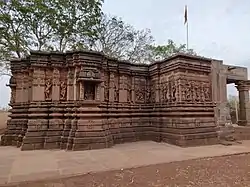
85,100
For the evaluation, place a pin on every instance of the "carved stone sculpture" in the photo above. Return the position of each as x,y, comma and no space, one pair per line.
48,88
173,93
116,94
188,92
106,94
197,95
148,95
63,90
207,92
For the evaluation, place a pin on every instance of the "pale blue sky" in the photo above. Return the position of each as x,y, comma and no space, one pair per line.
217,28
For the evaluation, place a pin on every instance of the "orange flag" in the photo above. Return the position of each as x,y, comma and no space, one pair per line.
185,15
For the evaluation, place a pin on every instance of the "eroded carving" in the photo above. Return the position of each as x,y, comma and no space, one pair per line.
195,91
88,74
173,93
148,95
139,95
207,92
116,94
48,89
140,92
63,90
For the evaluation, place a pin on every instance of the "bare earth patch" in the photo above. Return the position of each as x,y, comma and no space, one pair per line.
232,171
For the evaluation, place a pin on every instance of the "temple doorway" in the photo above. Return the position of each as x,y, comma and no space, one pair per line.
233,102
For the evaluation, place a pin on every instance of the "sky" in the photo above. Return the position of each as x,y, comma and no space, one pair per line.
217,28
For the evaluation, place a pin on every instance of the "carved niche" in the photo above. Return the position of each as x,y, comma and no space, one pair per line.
89,91
90,79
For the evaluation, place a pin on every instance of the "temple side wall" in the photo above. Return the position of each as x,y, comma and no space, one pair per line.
84,100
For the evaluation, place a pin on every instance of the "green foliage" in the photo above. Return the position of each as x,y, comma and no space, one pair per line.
61,25
160,52
45,25
232,103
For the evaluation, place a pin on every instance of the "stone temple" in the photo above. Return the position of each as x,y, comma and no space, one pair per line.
85,100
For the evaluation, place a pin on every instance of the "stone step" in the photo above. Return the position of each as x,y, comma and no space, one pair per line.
229,143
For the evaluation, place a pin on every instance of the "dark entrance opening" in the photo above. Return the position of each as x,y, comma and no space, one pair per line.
89,91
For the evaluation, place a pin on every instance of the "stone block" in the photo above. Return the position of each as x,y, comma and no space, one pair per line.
51,145
52,139
32,140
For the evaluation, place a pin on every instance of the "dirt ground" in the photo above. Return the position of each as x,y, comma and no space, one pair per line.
3,120
226,171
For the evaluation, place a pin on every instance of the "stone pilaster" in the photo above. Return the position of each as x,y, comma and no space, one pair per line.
102,86
98,89
122,90
112,86
244,113
56,85
70,86
38,85
133,90
76,86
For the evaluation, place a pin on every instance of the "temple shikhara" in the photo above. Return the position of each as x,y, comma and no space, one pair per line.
85,100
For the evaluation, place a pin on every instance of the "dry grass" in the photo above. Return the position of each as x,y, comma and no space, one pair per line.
3,120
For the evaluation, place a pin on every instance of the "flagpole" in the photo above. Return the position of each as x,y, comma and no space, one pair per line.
186,22
187,34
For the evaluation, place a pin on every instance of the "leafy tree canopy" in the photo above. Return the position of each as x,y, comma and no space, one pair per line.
45,25
60,25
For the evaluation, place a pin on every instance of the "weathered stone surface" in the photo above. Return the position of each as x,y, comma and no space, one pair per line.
84,100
